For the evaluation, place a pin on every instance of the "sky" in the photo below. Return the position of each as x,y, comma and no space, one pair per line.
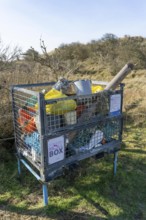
24,22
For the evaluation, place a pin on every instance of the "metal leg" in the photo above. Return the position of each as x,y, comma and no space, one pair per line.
45,193
19,166
115,162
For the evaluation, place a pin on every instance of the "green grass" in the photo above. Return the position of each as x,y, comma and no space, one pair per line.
90,192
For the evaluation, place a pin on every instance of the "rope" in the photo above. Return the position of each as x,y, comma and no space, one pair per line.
6,139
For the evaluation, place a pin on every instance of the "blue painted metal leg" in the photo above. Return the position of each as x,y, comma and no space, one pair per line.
30,169
115,162
19,167
45,194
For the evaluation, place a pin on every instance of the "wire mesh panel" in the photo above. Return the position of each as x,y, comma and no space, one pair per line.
53,129
76,111
72,145
93,137
26,122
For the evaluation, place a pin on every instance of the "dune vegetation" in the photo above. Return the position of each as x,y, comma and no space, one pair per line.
91,191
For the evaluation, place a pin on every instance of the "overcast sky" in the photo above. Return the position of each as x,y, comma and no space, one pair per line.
24,22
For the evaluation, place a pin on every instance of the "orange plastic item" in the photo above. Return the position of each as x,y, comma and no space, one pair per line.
31,109
26,121
30,126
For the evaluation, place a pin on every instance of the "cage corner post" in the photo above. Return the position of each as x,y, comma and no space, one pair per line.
43,128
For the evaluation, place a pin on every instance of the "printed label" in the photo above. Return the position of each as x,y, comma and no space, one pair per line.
115,104
55,149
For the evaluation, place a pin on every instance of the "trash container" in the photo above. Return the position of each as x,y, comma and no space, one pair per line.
75,127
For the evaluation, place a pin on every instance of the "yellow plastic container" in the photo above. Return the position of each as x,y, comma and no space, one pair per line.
61,106
96,88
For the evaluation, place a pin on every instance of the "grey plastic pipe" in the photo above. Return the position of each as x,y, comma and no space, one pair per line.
119,76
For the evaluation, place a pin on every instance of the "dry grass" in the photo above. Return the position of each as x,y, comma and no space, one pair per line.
30,72
22,73
96,195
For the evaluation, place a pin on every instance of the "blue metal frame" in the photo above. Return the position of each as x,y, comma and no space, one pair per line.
19,166
115,162
45,194
45,188
30,169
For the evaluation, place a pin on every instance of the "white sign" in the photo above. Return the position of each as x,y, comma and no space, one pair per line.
115,104
55,149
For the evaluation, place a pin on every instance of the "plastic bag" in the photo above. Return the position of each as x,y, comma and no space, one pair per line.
60,107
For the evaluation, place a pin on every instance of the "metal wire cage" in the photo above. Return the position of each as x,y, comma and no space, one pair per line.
53,130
